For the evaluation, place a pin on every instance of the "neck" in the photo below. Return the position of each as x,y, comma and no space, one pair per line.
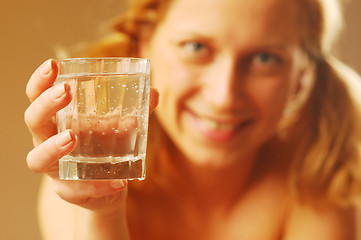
222,185
209,185
206,184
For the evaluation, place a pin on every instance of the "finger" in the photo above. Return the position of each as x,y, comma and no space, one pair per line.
84,193
153,99
41,79
45,157
39,116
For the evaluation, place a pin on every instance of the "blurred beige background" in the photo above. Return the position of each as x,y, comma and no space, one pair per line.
31,31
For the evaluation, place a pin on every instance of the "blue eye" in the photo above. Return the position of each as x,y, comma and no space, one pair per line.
194,46
264,63
195,51
266,58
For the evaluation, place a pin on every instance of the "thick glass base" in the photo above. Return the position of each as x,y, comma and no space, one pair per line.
71,168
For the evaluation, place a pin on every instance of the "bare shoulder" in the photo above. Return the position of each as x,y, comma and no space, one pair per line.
320,221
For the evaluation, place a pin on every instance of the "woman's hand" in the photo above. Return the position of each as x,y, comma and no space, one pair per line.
50,146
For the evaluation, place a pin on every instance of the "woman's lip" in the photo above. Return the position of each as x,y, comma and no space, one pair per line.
217,125
218,130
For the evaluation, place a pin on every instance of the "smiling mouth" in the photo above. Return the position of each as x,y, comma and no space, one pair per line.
219,130
215,125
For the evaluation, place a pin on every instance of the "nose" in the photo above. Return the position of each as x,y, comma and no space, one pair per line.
222,86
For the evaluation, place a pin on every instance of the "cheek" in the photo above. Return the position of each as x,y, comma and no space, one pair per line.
269,96
174,83
171,80
168,74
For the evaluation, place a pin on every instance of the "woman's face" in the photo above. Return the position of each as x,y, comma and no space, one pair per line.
225,70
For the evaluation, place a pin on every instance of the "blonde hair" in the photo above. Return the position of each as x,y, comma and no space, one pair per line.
327,158
327,135
137,24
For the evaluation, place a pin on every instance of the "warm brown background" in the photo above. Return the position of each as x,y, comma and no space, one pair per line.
31,30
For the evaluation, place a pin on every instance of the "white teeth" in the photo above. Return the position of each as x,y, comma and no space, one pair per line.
216,126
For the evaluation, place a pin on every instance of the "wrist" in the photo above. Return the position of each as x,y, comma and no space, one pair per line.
103,225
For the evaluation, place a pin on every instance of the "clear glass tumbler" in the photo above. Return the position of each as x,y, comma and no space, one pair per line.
109,114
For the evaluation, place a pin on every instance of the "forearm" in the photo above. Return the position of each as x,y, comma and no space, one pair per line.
62,220
91,225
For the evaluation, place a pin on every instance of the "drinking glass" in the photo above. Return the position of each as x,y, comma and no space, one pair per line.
109,114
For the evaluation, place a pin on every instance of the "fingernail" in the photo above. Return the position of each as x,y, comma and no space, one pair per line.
117,184
64,138
46,67
58,91
156,90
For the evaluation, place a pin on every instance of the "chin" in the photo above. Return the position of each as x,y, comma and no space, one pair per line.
215,159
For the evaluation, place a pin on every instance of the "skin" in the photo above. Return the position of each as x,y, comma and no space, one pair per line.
239,80
229,88
226,70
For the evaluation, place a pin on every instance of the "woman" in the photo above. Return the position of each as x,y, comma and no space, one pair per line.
256,135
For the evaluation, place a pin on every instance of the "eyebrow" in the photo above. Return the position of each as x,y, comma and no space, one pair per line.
277,46
191,34
188,31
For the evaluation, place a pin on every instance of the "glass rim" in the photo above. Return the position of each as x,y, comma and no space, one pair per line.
100,59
